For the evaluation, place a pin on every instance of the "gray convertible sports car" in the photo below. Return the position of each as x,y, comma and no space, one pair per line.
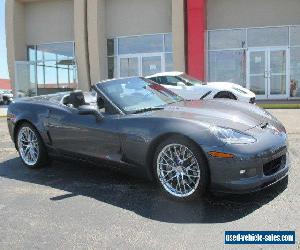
187,146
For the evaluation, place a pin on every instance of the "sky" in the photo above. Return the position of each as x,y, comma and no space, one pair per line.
3,55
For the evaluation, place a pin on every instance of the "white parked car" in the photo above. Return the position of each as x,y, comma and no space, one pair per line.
192,89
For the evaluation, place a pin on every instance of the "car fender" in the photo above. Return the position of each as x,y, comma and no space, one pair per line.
138,144
228,86
32,113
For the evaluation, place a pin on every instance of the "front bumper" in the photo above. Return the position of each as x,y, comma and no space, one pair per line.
251,184
253,168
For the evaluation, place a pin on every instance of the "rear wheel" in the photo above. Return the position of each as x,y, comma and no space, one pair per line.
181,169
31,147
226,95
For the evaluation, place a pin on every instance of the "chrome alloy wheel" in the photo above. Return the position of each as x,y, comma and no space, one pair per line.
178,170
28,146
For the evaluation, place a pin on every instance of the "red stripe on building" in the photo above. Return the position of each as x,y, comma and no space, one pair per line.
195,37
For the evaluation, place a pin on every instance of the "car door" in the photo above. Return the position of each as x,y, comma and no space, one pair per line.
194,92
84,135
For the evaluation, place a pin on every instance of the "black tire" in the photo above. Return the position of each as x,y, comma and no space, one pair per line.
42,158
226,95
200,190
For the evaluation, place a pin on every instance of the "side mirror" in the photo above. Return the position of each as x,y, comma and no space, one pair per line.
89,111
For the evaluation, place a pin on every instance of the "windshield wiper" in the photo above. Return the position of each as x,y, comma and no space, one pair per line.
146,110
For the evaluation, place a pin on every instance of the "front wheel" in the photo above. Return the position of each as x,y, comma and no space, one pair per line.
31,147
181,169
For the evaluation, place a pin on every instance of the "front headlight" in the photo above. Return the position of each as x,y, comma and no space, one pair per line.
232,136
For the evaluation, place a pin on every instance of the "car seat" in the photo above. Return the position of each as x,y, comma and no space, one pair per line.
76,99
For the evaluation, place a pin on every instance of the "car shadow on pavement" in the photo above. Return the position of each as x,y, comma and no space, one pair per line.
129,192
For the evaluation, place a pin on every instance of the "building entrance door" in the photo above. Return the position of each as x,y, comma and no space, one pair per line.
267,72
128,66
140,64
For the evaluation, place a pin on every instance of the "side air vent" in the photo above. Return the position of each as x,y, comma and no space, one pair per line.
205,95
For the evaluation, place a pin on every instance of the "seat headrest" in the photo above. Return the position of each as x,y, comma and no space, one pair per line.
76,99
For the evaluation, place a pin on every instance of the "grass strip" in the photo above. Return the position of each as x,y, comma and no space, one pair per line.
280,106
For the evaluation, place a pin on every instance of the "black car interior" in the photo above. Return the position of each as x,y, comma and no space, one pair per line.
77,100
166,80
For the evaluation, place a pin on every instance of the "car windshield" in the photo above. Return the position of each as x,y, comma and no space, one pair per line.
188,80
136,94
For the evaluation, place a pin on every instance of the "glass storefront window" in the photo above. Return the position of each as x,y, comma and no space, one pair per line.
278,62
31,53
141,44
65,75
168,42
278,85
295,35
169,62
40,75
257,84
257,63
228,66
139,55
50,73
32,73
226,39
111,47
53,51
295,72
39,56
55,67
272,36
112,67
25,79
268,51
151,65
129,67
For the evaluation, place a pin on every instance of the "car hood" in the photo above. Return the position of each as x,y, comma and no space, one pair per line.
223,113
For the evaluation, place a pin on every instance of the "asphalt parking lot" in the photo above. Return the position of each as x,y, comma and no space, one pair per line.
75,205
